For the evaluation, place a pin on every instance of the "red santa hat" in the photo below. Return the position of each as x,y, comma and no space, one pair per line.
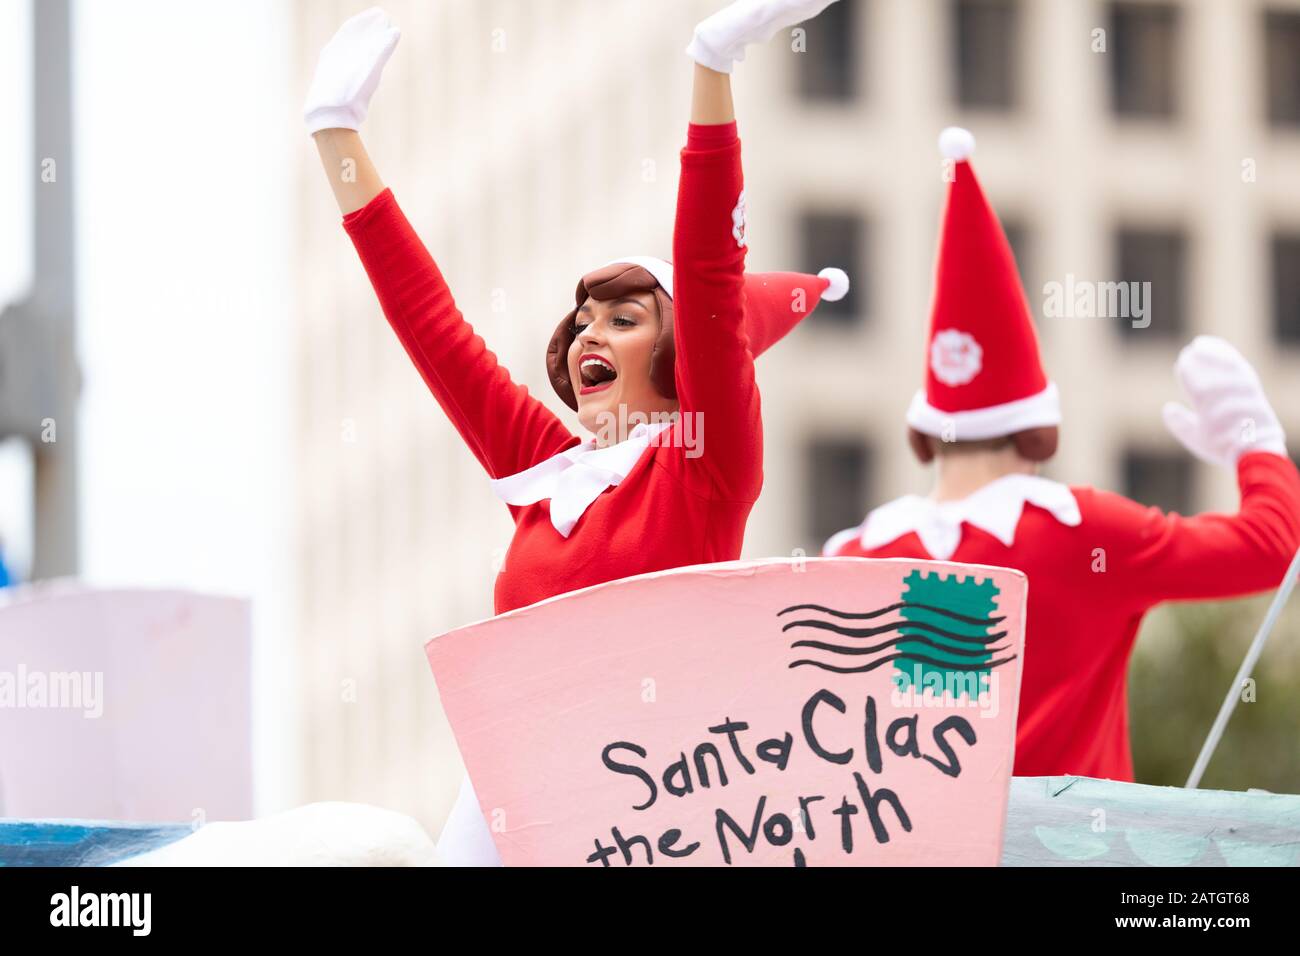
984,377
775,302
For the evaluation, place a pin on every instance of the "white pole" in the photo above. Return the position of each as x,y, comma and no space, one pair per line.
1248,665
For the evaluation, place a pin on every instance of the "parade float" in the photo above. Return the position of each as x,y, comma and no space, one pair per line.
847,712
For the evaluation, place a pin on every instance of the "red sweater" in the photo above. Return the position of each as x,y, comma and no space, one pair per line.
1082,622
672,509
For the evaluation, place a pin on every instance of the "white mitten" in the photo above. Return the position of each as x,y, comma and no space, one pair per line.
348,71
1230,414
720,41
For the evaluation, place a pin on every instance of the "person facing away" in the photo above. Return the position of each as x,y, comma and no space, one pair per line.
1096,561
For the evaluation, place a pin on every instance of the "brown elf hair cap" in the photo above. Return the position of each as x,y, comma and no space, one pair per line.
614,281
1034,444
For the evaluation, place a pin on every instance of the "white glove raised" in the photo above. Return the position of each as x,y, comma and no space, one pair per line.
1230,414
348,72
720,41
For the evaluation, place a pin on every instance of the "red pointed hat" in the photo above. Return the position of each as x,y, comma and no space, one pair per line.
775,302
984,377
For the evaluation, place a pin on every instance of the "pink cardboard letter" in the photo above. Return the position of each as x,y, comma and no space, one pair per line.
824,712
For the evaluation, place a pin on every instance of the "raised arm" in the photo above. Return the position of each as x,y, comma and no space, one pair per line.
351,174
1152,556
714,367
507,429
1230,424
347,75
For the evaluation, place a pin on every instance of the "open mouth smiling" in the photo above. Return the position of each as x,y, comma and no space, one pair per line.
597,374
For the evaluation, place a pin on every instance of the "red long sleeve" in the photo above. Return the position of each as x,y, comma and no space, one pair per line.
715,370
1161,557
506,428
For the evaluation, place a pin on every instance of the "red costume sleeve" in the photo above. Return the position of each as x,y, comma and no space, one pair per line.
714,368
1153,556
507,429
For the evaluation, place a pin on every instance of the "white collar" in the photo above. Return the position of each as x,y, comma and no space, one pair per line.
995,508
575,478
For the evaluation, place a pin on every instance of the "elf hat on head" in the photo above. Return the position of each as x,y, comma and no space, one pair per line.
984,377
775,302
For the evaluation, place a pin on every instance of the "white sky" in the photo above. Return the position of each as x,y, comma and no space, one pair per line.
186,126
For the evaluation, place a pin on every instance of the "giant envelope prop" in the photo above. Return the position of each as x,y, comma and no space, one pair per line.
820,712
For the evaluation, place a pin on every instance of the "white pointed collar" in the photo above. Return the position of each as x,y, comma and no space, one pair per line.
995,508
573,479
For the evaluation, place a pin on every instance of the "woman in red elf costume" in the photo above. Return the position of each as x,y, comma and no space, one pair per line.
1096,561
671,347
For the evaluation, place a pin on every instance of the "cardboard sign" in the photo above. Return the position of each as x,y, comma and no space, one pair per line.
827,712
124,705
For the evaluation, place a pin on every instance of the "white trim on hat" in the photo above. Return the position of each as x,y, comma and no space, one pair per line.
996,421
659,268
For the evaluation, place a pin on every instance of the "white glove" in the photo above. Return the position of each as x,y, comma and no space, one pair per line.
720,41
1230,414
348,71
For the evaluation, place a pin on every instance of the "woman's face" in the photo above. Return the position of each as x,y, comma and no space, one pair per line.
609,362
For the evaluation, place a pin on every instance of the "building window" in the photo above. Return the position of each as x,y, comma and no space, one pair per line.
987,42
1286,289
836,239
839,486
1159,478
827,67
1282,66
1150,272
1143,57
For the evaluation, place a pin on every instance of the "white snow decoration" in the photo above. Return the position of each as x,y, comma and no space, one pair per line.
318,834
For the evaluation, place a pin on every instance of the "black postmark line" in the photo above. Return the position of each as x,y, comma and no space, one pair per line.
867,615
907,657
894,626
873,648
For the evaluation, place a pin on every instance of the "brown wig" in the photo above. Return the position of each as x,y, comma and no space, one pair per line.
1034,444
615,281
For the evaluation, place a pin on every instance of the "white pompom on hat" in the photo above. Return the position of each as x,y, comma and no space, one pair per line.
956,143
837,283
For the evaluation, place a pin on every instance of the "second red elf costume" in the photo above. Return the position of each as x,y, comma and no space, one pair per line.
1096,561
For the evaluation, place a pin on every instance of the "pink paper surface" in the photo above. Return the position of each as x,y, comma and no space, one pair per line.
154,722
535,698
